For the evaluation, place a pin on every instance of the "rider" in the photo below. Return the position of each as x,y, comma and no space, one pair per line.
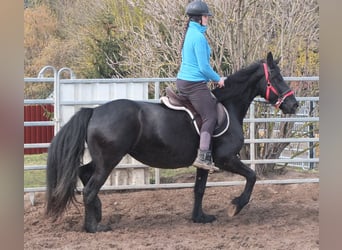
195,71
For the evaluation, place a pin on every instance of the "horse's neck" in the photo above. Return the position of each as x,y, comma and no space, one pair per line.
249,94
239,109
241,92
239,104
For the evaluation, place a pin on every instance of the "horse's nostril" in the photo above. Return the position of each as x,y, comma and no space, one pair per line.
295,107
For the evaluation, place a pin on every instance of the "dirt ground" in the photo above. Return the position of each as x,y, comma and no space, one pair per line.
278,217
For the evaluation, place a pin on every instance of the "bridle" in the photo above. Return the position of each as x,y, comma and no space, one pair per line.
270,88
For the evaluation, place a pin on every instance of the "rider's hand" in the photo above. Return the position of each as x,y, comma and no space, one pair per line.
221,82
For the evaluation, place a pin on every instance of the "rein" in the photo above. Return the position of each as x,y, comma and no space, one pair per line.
270,88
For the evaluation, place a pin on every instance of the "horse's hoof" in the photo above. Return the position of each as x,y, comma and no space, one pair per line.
204,218
98,228
232,210
235,207
103,228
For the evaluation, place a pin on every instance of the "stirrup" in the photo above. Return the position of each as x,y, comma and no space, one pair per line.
204,161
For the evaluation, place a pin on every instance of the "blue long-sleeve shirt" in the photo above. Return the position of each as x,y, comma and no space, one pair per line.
195,64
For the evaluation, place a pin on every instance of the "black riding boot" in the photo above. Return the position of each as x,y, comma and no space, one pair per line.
203,160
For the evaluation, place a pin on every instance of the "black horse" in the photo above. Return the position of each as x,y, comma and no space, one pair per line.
156,136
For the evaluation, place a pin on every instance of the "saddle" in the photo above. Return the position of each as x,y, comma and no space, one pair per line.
179,102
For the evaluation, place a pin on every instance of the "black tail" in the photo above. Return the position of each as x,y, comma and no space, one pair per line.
64,159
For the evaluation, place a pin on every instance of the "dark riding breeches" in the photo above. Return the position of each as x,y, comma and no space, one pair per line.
200,96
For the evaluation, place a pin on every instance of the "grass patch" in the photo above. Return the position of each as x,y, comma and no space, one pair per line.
176,172
38,159
169,175
35,178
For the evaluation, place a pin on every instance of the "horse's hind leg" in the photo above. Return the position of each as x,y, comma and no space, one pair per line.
85,172
198,215
91,200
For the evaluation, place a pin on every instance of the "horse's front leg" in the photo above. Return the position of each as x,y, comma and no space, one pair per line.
198,216
235,165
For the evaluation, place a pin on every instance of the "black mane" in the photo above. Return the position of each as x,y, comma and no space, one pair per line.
237,83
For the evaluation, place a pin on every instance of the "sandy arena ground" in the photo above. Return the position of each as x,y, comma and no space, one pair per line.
278,217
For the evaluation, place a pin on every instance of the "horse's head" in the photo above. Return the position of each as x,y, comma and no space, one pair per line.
275,90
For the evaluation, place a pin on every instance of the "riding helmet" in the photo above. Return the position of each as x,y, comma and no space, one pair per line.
198,8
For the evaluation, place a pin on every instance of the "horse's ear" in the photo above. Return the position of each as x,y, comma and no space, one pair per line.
277,60
270,61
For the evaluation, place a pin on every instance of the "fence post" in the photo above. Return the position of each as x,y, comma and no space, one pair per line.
41,75
311,135
252,134
57,96
156,97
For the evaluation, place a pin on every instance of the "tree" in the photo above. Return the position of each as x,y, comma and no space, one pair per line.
39,31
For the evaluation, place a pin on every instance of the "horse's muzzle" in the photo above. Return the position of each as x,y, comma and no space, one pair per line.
289,107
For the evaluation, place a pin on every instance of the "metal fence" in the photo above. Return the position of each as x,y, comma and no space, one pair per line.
154,85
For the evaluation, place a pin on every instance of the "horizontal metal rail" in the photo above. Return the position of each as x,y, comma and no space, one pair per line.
41,123
271,161
120,166
299,98
68,103
167,79
283,119
143,80
38,101
188,185
274,140
39,79
36,145
286,140
35,167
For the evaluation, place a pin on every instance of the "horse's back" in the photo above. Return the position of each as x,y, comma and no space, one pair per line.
150,132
